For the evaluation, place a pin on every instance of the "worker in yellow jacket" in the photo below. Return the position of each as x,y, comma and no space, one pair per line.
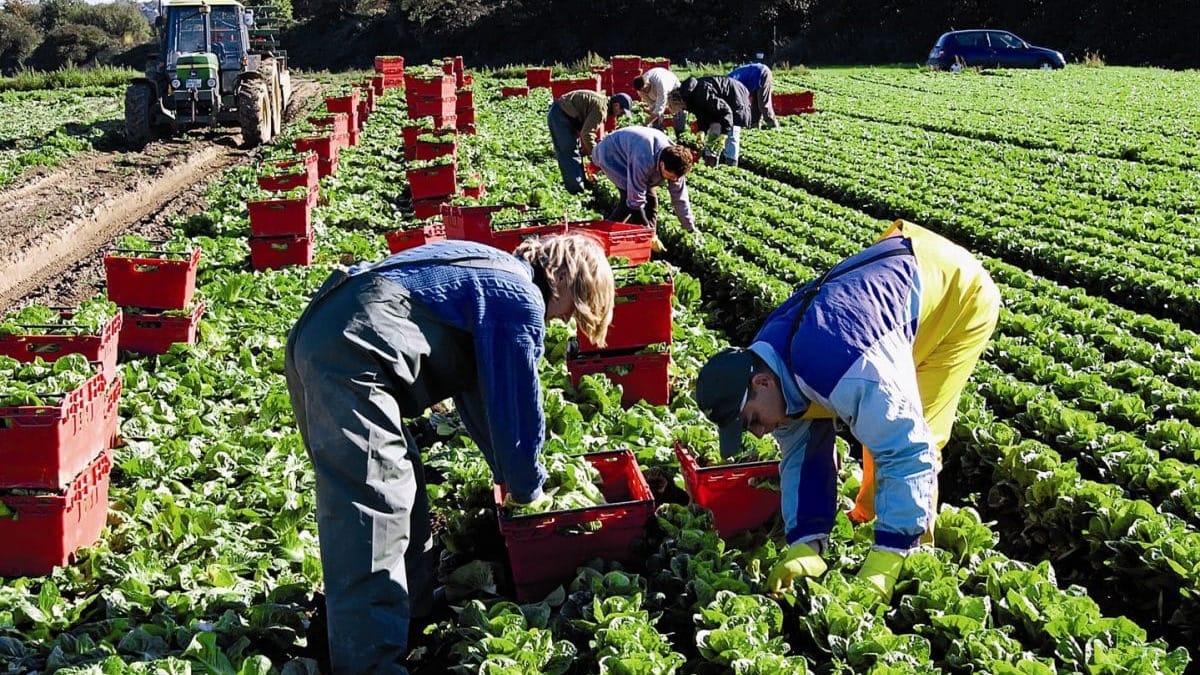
884,341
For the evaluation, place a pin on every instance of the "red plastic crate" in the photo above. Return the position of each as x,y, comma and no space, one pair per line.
619,239
464,98
110,428
155,333
647,64
402,240
475,191
726,490
560,87
327,167
277,218
509,92
46,446
627,63
428,150
473,223
100,348
464,117
364,111
347,104
545,549
324,146
793,103
305,175
509,240
433,181
411,134
48,530
377,84
641,316
420,106
269,253
641,376
143,279
390,65
353,137
436,87
538,77
424,209
337,123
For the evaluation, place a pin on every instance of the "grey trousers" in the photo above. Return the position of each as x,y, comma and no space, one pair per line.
762,110
345,360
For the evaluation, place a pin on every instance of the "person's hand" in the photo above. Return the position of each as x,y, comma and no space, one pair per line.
801,561
710,158
880,571
540,504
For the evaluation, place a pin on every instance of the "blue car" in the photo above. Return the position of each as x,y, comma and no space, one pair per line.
990,49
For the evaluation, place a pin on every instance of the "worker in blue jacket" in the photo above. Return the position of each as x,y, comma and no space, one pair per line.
637,160
385,341
759,81
885,342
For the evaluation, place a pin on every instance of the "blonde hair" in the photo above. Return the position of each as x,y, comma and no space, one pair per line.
587,270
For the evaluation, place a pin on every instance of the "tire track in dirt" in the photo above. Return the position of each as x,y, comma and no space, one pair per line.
54,228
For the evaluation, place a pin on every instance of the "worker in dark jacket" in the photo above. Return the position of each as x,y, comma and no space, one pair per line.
759,81
385,341
722,107
576,122
637,160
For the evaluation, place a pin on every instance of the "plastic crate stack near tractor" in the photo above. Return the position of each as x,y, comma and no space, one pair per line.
281,227
347,103
157,292
55,458
638,352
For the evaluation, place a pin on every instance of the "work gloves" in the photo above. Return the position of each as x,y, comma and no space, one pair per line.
542,503
800,561
880,571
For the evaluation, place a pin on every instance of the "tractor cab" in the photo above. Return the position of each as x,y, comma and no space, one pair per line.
204,47
211,69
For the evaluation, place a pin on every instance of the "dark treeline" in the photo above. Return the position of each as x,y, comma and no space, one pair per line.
1153,32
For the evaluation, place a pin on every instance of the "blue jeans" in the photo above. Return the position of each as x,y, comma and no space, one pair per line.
566,149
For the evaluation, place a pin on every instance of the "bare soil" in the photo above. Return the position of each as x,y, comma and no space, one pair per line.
56,225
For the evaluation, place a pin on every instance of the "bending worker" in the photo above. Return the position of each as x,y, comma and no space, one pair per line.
721,106
885,342
575,119
384,341
653,86
637,160
759,81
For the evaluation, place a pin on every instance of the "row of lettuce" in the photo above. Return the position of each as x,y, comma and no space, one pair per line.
210,560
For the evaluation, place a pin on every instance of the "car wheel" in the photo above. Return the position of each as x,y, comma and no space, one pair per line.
1045,65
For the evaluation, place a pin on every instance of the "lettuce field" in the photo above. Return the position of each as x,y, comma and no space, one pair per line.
1068,539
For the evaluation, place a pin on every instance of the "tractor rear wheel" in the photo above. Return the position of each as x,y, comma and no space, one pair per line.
139,128
254,112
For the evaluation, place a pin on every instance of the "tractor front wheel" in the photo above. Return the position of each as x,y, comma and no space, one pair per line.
139,128
254,112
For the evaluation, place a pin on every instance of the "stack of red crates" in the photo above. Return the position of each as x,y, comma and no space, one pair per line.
281,231
156,291
389,73
562,86
641,319
623,70
431,96
347,105
55,459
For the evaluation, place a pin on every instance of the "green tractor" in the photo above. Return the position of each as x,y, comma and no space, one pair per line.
211,69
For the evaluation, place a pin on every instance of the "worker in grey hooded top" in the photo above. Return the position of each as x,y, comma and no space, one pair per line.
638,159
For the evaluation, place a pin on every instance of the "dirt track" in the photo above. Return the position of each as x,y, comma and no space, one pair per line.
54,227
